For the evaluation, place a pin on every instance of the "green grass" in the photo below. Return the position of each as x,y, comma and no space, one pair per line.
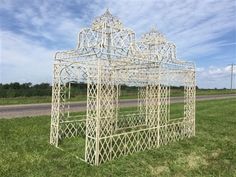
25,100
34,100
24,149
125,95
214,91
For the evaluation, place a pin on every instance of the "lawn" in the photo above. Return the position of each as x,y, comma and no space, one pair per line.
24,149
124,95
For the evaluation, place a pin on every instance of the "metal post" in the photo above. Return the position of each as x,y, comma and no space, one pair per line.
232,73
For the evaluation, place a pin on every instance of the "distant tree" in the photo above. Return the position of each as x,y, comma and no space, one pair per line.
11,93
14,85
26,85
181,87
5,86
42,86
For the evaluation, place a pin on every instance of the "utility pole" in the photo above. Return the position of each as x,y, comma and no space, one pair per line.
232,74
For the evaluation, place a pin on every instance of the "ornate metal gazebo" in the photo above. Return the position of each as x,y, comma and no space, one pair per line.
108,56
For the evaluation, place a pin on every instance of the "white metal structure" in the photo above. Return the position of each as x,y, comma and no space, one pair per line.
108,56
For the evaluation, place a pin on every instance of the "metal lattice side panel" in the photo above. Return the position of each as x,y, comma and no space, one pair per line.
189,109
55,112
92,125
104,118
73,128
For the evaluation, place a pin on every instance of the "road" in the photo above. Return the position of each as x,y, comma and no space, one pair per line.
24,110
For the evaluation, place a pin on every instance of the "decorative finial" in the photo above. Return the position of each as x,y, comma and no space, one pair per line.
153,28
108,19
107,13
154,36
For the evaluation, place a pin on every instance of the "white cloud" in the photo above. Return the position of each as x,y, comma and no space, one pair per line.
214,77
23,60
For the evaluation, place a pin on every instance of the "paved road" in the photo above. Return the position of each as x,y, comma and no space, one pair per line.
12,111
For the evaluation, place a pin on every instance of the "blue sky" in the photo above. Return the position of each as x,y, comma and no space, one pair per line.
31,31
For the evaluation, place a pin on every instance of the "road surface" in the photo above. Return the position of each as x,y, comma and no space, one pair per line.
24,110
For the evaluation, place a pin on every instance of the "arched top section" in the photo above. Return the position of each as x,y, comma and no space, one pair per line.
153,37
112,44
106,20
156,45
107,36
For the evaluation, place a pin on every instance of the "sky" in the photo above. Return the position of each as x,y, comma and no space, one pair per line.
31,31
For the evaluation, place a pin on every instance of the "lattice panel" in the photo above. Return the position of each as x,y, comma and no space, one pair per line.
56,105
73,128
152,105
90,150
127,143
164,104
131,120
107,102
142,99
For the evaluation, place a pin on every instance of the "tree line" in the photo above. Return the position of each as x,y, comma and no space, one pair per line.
16,89
24,90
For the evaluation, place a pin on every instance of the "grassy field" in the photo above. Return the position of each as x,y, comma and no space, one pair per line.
125,95
24,149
